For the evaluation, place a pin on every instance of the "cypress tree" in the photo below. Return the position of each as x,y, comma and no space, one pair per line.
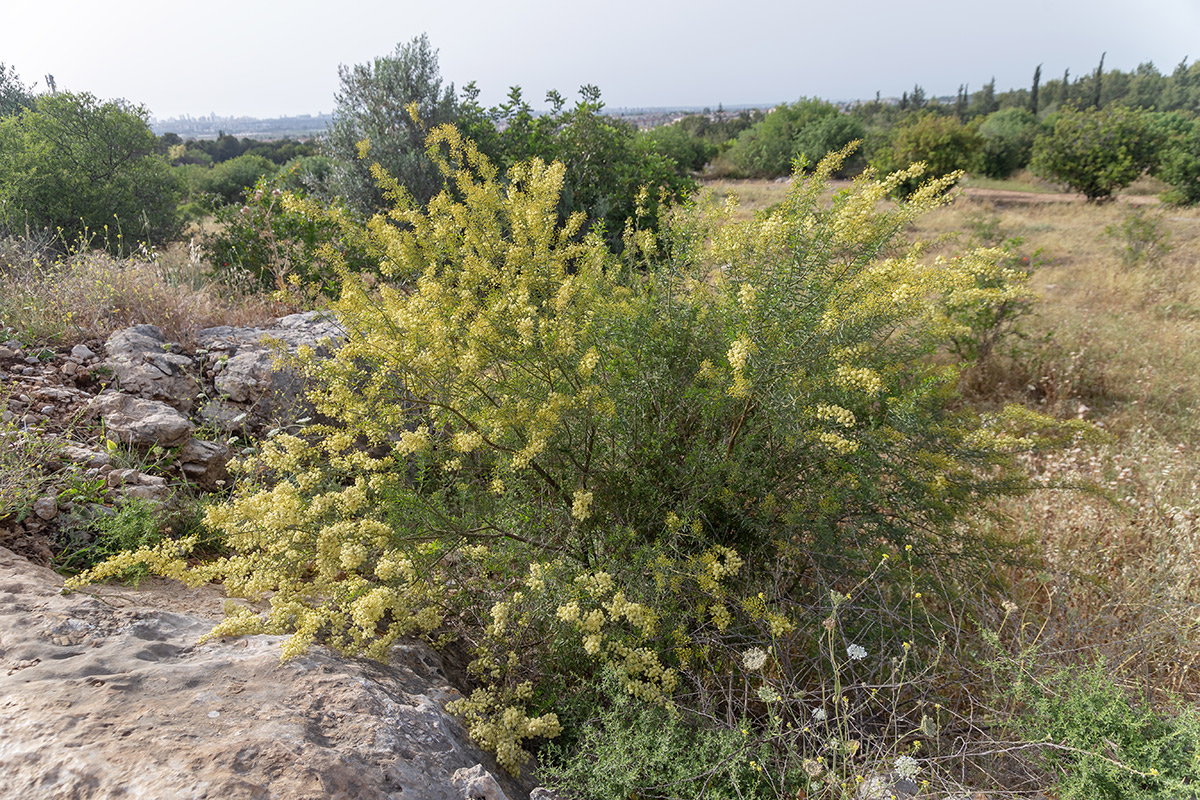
1033,93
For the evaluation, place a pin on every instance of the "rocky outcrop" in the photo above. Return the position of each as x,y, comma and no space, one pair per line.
254,385
146,365
107,695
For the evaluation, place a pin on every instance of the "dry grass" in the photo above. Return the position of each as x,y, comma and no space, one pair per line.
1117,343
87,296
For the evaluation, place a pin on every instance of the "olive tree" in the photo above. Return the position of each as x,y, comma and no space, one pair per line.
374,106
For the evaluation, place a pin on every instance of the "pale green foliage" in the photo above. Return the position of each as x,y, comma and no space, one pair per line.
372,104
583,463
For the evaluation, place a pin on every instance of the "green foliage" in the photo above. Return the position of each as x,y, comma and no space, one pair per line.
1096,152
26,465
829,134
1007,141
265,243
646,464
639,750
944,144
1140,238
697,139
373,106
134,524
76,166
14,95
1101,744
769,148
1179,164
613,175
689,152
228,181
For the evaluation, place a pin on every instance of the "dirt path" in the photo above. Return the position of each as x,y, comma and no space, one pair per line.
1005,196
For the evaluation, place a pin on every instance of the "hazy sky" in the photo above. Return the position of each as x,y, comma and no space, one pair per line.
256,58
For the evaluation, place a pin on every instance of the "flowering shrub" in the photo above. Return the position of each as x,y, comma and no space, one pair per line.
654,466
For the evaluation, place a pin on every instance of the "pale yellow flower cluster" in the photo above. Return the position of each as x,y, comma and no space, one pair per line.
581,508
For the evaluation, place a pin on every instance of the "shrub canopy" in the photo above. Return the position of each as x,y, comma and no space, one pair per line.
644,463
82,168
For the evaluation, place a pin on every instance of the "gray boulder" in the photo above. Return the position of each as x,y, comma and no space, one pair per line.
141,423
256,386
146,365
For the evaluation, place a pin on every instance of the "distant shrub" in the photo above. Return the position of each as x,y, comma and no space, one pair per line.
1008,137
1096,151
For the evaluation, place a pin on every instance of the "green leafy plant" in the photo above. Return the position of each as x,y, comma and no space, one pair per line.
1096,151
646,464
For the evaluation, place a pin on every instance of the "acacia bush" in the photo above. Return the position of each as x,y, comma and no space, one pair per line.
674,467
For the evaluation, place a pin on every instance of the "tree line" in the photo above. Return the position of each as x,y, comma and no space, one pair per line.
71,164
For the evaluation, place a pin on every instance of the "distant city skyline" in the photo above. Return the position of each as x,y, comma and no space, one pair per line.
258,59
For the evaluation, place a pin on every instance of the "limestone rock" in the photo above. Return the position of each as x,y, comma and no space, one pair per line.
477,783
110,697
45,508
141,423
81,353
204,463
255,385
146,365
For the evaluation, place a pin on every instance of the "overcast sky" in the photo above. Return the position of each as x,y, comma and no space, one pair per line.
265,59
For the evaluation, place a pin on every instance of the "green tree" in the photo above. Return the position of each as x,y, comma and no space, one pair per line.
14,95
829,134
983,102
373,105
944,144
1096,151
78,166
1033,91
768,148
1008,138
